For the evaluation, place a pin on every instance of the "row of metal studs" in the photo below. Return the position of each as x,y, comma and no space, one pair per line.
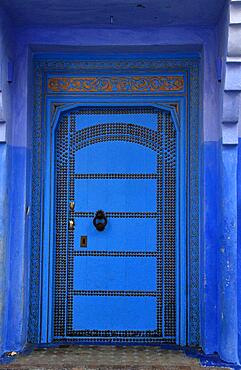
115,293
107,176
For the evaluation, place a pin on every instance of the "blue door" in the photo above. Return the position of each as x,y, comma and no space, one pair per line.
115,216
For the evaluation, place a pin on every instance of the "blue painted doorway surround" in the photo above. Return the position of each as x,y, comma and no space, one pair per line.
124,142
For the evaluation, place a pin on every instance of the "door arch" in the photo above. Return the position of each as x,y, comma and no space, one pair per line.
121,287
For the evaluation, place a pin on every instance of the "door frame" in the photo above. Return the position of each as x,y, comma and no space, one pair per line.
50,106
49,222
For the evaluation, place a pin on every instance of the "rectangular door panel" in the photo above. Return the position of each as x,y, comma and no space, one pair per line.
114,273
121,234
115,195
115,157
114,313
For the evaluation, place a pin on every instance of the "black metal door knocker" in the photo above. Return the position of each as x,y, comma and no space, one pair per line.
100,220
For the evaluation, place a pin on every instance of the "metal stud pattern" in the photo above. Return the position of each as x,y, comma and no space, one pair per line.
114,254
115,293
163,142
61,222
119,214
110,176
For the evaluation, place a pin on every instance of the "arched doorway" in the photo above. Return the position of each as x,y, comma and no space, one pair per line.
116,282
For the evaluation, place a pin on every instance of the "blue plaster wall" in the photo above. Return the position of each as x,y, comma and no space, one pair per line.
56,39
239,236
182,39
18,250
19,232
211,202
210,239
228,250
13,162
239,244
179,39
228,257
6,56
3,240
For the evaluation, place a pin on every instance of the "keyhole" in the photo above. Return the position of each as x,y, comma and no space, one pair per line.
83,241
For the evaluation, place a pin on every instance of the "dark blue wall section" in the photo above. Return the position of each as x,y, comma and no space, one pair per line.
211,194
3,241
228,314
210,203
239,246
220,258
18,300
14,300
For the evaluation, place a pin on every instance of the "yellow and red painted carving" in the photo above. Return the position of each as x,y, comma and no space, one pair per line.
116,84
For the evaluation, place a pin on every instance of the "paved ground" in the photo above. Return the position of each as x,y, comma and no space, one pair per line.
104,357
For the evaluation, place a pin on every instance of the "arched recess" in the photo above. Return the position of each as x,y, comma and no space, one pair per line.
43,186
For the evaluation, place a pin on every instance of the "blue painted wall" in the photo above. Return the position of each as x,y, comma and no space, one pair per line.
13,162
185,38
228,314
210,42
6,56
239,246
210,200
228,302
134,40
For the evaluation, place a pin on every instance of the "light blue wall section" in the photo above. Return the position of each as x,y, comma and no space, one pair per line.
125,14
182,39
